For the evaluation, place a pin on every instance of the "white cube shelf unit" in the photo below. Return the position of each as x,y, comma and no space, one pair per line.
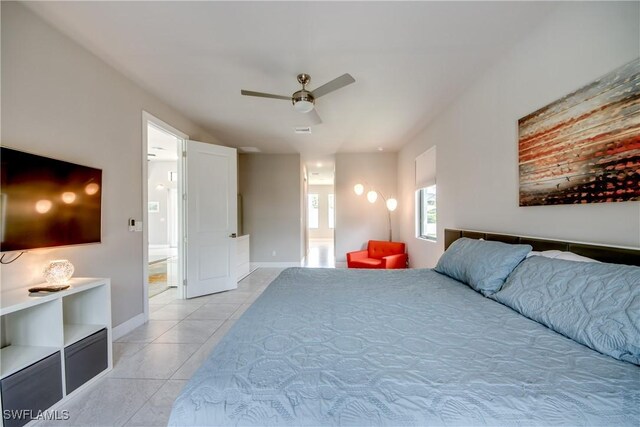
61,324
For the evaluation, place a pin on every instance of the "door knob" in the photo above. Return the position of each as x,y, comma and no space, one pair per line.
233,235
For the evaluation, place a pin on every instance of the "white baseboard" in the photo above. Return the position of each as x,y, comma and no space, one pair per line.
128,326
252,268
275,264
341,264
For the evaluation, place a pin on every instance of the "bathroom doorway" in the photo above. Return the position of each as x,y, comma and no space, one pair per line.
163,207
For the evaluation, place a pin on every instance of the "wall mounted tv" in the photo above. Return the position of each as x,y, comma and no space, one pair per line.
46,202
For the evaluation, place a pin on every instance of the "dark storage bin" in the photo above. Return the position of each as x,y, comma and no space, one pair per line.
85,359
34,388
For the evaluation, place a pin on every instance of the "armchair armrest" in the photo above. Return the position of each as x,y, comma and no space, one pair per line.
395,261
351,256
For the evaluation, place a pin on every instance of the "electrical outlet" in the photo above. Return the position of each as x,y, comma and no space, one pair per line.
273,253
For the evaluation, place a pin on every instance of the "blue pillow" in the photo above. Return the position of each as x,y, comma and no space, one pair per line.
595,304
483,265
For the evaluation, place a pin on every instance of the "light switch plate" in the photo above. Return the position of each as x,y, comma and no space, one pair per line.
135,225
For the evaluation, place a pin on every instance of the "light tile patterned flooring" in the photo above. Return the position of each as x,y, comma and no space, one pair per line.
154,362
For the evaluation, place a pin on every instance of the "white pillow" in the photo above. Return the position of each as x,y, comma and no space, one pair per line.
570,256
567,256
546,254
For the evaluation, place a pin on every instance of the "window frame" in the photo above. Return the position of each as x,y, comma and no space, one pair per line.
422,211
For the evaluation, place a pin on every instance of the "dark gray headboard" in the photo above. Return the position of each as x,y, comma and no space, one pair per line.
601,253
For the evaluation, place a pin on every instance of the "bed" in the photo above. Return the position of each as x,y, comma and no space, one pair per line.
402,347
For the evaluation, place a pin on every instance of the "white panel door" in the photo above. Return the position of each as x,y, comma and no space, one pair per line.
211,206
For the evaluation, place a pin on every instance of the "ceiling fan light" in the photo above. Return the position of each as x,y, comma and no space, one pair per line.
303,106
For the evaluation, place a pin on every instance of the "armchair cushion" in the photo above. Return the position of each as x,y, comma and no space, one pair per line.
379,254
395,261
379,249
366,263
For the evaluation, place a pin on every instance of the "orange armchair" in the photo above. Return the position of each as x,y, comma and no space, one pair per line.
379,254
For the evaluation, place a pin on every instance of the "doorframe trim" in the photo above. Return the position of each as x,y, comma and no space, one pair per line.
146,119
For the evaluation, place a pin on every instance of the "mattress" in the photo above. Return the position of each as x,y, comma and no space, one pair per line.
399,347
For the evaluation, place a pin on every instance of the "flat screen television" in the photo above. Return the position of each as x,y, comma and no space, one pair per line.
46,202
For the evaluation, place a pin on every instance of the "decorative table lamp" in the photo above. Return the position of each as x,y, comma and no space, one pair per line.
58,272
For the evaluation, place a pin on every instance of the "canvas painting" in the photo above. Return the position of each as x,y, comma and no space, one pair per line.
585,147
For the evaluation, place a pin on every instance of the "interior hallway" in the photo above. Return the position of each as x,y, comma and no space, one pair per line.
321,254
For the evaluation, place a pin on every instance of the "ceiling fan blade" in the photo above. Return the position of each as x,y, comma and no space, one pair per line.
264,95
334,84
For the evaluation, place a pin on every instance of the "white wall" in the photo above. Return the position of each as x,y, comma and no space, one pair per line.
477,158
270,185
59,100
158,226
357,220
323,231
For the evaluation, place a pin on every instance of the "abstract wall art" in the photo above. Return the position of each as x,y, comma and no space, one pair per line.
584,147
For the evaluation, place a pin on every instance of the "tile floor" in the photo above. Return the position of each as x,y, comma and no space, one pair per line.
321,254
154,362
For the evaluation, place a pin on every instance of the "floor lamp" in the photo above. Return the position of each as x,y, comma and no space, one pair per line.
372,196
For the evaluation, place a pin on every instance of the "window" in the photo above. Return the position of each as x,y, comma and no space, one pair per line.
313,210
332,212
427,219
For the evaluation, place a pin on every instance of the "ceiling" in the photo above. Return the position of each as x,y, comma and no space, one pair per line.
409,59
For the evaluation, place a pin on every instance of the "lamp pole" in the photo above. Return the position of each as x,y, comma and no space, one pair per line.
388,214
372,196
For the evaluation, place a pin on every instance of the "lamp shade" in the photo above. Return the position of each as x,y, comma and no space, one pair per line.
372,196
58,271
303,106
392,204
358,189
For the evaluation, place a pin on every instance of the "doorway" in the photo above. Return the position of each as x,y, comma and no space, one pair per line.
162,217
189,214
162,208
320,212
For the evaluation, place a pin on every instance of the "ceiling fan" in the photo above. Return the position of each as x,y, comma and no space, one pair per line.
303,100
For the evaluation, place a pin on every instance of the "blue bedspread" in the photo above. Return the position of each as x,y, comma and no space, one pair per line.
399,347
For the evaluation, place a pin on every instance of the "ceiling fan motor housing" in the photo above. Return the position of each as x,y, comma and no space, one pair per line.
303,100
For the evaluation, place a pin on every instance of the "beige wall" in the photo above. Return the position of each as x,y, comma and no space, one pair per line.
59,100
357,220
270,185
477,158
